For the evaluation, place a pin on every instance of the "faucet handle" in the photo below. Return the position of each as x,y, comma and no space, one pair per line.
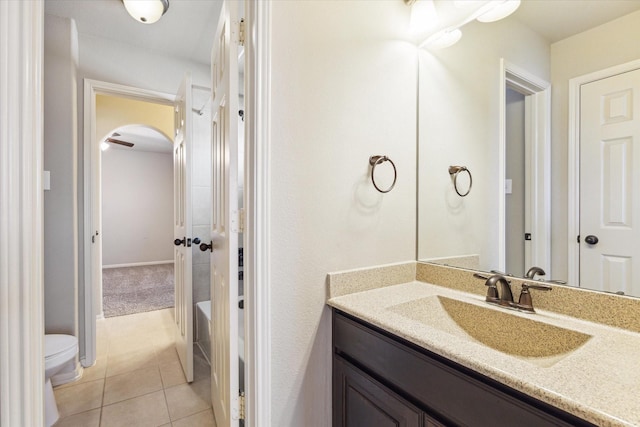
525,302
492,290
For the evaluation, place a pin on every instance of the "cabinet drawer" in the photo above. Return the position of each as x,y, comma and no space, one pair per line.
454,393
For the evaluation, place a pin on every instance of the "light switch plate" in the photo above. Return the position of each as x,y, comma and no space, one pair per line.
46,180
508,186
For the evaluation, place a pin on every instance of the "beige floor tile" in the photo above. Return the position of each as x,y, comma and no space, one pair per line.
172,374
83,419
167,355
201,419
148,410
163,318
132,384
188,399
129,342
79,398
95,372
131,361
163,337
201,368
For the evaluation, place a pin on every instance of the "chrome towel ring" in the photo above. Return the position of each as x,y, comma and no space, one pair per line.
454,171
375,161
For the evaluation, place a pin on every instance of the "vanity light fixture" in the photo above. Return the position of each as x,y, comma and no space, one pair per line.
443,39
424,16
486,11
146,11
496,10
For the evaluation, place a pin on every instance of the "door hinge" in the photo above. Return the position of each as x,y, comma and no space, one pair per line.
237,409
237,221
241,32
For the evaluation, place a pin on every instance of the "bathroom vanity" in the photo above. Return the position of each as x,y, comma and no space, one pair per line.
380,379
410,353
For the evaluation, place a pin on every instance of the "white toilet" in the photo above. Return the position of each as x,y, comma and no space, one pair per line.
59,367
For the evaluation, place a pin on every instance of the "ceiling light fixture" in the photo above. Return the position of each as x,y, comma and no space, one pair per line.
146,11
497,9
424,16
443,39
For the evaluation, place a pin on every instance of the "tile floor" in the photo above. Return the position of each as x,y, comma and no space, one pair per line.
137,379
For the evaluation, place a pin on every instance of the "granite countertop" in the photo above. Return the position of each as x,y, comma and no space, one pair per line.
599,381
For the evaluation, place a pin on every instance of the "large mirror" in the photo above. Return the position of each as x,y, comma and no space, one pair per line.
516,104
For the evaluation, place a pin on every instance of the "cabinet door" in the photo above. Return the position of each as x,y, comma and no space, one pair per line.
360,401
430,422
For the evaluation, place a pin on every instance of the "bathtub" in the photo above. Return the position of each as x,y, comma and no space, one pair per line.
203,331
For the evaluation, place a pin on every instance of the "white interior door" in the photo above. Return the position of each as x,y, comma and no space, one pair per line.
225,221
182,227
610,184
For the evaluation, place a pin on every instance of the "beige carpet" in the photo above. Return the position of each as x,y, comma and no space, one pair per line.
129,290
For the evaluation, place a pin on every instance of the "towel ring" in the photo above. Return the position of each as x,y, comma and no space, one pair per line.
375,161
454,171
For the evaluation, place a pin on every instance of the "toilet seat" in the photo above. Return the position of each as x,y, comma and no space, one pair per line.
59,349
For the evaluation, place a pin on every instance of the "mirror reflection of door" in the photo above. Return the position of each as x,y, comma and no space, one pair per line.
515,183
609,183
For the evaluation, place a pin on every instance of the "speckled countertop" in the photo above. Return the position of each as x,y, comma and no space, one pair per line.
599,381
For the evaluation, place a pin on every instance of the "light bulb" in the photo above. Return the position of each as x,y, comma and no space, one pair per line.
424,16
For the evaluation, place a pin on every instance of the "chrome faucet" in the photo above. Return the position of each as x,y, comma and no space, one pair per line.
531,273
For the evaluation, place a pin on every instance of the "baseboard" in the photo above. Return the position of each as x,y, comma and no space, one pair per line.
137,264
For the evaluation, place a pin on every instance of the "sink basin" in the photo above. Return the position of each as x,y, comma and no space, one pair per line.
498,329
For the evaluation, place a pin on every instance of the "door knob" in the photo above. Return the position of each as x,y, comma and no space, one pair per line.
196,241
179,242
591,239
204,247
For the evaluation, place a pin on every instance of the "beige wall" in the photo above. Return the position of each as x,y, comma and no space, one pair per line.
113,112
343,87
610,44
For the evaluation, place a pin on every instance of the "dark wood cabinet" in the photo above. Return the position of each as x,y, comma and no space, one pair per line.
382,380
366,402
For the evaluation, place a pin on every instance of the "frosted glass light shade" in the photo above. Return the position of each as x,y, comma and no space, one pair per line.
443,39
146,11
424,16
498,9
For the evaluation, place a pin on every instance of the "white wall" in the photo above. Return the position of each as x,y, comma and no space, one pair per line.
459,125
605,46
343,87
201,195
60,205
137,207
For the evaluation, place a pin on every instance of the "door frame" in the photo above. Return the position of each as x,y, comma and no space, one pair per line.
573,190
257,202
538,115
92,217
